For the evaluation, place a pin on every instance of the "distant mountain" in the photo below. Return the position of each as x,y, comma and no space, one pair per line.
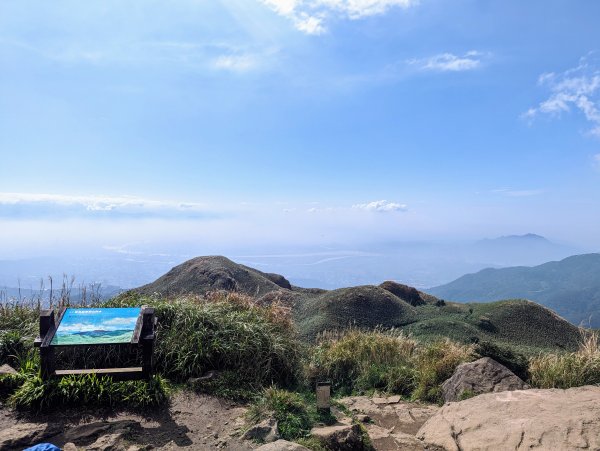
202,274
571,287
389,305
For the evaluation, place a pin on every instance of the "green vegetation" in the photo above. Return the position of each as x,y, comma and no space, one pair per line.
223,332
35,394
566,370
360,362
570,287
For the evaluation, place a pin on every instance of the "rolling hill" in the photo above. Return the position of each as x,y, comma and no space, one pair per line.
570,287
390,305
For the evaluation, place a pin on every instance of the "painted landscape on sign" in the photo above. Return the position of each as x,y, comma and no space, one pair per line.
83,326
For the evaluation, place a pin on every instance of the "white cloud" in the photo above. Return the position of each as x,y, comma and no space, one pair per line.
236,63
309,16
381,206
575,89
449,62
33,205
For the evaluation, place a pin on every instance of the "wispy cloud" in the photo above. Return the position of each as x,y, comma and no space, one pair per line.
449,62
311,16
19,205
381,206
577,88
236,63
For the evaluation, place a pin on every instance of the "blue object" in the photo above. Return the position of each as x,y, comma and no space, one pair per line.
43,447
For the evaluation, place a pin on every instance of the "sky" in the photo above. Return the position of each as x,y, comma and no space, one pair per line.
219,124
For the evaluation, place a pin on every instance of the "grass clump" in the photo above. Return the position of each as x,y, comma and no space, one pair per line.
570,369
359,362
36,394
290,409
386,361
251,346
435,363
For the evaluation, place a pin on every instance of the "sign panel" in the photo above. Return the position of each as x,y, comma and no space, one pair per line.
83,326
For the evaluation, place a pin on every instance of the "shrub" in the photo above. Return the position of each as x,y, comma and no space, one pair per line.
36,394
226,332
435,363
289,409
566,370
361,361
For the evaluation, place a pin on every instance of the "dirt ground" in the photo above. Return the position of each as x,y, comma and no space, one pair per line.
191,421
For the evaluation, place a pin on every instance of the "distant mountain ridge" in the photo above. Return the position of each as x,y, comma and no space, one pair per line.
388,305
571,287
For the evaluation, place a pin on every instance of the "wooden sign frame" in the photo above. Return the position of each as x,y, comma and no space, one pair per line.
143,336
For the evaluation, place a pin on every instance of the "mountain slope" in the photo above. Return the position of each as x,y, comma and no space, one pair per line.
390,305
571,287
203,274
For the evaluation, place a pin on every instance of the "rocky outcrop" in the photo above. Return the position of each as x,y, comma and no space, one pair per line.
390,422
558,420
481,376
266,431
282,445
340,437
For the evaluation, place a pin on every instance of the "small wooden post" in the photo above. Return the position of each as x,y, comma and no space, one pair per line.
147,338
47,325
324,396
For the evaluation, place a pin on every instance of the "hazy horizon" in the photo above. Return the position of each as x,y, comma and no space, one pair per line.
244,128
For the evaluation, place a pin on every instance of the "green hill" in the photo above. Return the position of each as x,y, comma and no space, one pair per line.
390,305
570,287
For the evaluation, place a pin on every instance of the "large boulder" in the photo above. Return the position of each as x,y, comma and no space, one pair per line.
481,376
542,419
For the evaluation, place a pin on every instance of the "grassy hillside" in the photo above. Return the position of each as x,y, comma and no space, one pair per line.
203,274
571,287
390,305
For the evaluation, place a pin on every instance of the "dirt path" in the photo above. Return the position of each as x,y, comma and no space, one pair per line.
193,422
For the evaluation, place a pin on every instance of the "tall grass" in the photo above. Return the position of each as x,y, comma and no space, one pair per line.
387,361
224,332
566,370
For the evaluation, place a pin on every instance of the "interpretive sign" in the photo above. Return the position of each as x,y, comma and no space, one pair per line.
84,326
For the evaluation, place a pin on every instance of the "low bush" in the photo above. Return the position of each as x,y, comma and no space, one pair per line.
359,362
36,394
435,362
257,346
570,369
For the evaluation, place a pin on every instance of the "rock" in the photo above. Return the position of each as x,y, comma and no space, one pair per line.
7,369
341,437
282,445
26,434
362,418
266,431
109,442
207,377
543,419
481,376
69,447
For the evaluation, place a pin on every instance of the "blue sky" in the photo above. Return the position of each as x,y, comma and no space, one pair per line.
297,121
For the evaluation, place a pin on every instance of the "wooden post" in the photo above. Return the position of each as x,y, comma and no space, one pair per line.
147,338
324,396
47,325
